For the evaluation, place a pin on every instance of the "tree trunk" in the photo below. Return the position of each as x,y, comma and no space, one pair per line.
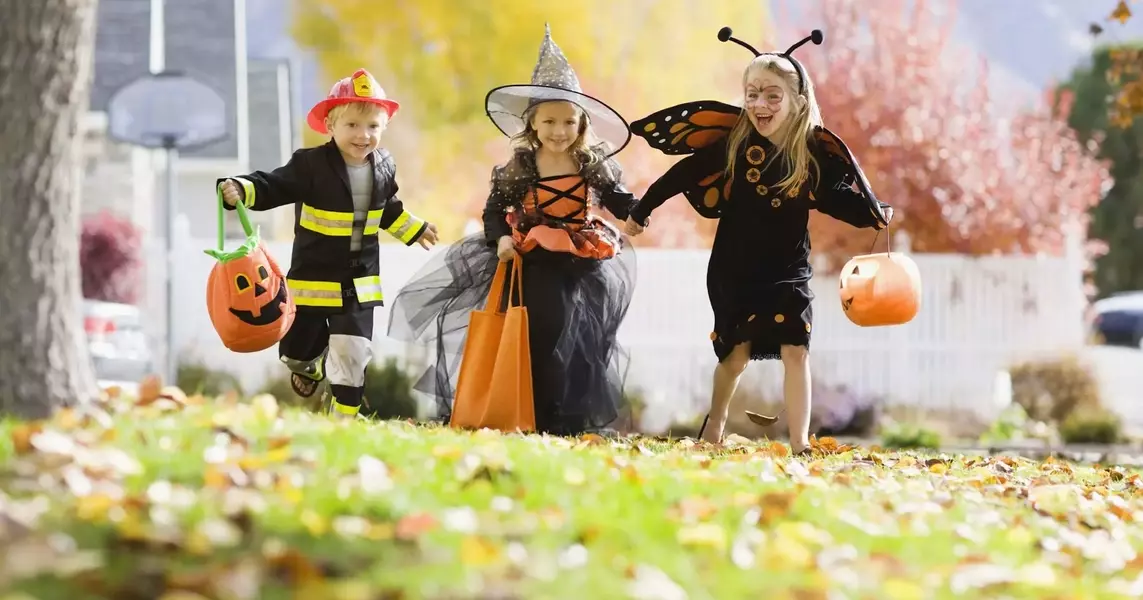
46,49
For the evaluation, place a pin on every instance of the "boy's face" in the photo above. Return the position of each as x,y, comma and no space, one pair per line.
357,132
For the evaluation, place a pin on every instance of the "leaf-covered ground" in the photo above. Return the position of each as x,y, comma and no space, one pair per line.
183,499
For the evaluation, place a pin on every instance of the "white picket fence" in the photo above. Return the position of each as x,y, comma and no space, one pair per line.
978,316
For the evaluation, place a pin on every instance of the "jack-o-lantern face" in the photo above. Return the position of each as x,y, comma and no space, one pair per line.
248,301
258,295
880,289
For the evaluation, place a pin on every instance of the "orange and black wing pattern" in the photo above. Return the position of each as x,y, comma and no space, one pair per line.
684,128
835,149
708,194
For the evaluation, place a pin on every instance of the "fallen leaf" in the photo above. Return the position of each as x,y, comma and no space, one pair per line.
703,534
478,551
574,476
590,439
22,436
776,505
778,449
413,526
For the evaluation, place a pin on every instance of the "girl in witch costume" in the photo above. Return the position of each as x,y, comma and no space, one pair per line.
578,273
344,193
759,169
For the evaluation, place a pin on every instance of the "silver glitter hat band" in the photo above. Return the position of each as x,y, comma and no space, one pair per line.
553,80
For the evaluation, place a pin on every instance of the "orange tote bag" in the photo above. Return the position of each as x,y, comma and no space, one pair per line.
494,386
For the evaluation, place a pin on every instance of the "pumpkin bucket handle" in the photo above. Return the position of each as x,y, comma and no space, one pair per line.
252,233
888,239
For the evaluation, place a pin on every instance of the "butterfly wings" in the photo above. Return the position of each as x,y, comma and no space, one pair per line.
836,150
686,129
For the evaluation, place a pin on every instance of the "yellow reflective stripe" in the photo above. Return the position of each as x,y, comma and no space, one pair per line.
249,192
326,222
373,222
405,227
369,289
343,409
315,293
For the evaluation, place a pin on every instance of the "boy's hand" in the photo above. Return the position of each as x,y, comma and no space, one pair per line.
506,248
632,228
231,195
429,237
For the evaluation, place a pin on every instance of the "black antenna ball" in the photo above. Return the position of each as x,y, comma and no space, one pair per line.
816,36
724,34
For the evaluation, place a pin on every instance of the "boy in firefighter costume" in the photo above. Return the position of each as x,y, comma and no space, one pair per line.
578,273
759,170
344,193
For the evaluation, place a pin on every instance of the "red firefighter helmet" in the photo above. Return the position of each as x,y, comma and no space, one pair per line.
359,87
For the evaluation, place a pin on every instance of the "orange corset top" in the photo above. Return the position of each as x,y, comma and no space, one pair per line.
557,215
562,199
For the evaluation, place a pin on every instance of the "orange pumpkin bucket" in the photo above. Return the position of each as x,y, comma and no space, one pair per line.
246,294
880,289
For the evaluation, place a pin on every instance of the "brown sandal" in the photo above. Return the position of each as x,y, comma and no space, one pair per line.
302,385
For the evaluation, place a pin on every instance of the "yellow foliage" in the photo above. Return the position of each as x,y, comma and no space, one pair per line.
439,58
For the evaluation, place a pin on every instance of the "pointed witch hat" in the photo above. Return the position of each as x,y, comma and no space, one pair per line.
554,80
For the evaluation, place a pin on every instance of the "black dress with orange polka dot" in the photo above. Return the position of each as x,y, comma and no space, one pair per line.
758,276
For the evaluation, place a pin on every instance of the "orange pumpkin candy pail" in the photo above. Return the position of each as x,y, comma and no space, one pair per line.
880,289
247,297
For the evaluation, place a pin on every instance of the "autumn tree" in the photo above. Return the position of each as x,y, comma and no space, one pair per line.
440,57
1125,71
1118,218
46,51
963,175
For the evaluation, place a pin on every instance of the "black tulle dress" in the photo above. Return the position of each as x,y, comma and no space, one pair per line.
578,279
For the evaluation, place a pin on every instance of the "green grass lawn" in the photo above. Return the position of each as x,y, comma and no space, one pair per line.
228,500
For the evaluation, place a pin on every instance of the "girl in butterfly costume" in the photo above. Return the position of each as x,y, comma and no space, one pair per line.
578,272
759,169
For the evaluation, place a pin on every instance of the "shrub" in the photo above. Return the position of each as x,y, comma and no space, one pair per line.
910,436
839,411
389,392
1096,427
197,378
630,420
110,259
1051,390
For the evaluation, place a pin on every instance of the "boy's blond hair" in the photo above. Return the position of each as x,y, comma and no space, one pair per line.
362,109
805,115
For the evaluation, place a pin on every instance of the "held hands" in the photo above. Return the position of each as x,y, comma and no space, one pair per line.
506,248
429,238
633,229
231,195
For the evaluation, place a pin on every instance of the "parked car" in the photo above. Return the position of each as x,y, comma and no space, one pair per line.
119,348
1118,320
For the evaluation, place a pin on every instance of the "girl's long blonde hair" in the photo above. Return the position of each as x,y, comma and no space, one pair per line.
583,148
798,128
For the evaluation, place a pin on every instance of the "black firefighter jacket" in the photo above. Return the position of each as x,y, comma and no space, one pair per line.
324,273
